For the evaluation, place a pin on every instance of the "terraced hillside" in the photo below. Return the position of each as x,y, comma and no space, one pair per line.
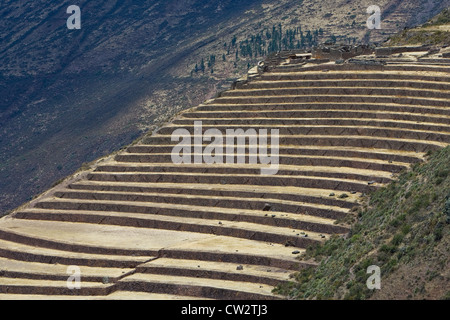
140,226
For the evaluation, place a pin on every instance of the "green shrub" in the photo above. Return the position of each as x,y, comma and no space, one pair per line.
388,248
421,201
447,209
406,229
398,238
446,296
356,291
438,232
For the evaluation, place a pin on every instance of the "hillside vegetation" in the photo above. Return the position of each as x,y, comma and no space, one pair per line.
402,228
435,32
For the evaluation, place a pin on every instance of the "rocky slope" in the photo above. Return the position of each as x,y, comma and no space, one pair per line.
435,32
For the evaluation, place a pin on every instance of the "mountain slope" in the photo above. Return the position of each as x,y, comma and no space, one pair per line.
435,32
71,96
404,229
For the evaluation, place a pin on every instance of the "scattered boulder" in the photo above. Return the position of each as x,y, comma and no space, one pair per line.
289,243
